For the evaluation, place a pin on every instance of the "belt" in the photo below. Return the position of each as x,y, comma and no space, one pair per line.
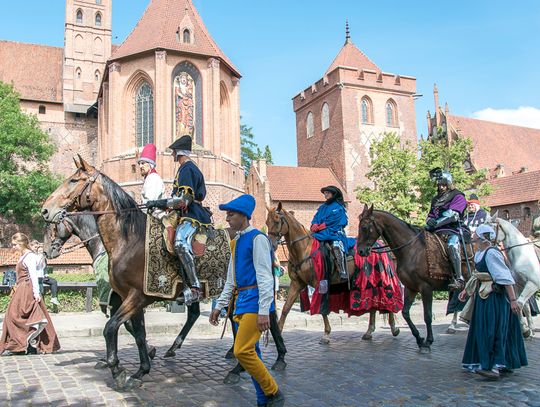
246,287
231,302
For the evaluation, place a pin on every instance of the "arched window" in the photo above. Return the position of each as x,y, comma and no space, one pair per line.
526,212
391,113
506,215
325,116
310,129
144,115
367,111
78,73
42,109
98,2
98,19
79,16
97,76
187,36
187,100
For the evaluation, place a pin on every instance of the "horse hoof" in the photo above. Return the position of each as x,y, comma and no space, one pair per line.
229,354
395,332
152,352
132,383
100,365
279,366
425,350
325,340
231,378
120,379
367,337
169,354
451,330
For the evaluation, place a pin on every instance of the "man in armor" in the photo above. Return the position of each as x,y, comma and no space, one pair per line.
329,224
445,216
189,190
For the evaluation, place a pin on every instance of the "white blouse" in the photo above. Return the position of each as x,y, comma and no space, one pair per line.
500,273
31,260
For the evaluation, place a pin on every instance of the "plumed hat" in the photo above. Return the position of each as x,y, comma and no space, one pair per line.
183,143
148,154
244,204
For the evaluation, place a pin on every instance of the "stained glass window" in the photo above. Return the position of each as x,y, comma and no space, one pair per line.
184,100
391,114
144,115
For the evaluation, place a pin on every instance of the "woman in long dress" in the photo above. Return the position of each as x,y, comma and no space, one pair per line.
494,342
27,327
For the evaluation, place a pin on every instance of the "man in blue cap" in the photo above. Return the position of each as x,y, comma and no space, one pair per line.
250,278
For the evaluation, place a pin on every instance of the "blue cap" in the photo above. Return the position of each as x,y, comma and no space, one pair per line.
244,204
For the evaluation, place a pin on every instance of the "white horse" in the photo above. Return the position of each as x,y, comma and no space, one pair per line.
524,266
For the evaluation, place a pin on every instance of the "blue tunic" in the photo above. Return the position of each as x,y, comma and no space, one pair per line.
191,176
334,216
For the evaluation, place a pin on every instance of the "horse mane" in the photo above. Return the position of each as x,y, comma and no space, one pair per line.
413,228
134,220
289,216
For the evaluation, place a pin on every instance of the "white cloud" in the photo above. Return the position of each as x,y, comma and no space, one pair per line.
526,116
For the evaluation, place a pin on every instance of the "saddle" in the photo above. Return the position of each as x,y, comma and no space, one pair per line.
439,266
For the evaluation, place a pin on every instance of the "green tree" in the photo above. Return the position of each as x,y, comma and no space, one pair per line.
393,169
249,149
267,155
25,180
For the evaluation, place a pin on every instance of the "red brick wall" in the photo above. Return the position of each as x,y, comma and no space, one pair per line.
517,214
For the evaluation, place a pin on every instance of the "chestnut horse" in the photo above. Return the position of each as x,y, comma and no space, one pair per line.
282,224
408,244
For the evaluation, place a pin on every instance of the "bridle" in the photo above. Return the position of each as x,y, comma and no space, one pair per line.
386,248
70,228
280,241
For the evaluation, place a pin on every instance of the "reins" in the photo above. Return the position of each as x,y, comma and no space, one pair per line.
505,249
79,245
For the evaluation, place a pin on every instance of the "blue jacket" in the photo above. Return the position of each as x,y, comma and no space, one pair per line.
335,217
244,269
191,176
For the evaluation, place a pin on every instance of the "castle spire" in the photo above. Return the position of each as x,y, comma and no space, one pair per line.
347,32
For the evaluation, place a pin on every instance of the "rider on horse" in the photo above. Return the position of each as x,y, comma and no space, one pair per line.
475,214
190,187
153,187
445,216
328,225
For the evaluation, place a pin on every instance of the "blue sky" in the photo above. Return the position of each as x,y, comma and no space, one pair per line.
483,55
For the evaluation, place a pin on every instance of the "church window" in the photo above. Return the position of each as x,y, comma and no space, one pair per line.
42,109
325,116
98,19
187,36
78,73
187,99
391,113
367,111
144,115
79,16
310,128
97,76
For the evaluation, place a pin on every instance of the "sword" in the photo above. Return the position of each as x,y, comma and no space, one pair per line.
464,248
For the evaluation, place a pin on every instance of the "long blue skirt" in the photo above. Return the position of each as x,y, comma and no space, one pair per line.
494,339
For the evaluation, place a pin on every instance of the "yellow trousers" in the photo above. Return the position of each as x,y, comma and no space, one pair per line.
244,350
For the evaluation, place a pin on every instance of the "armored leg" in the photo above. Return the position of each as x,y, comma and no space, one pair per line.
182,247
454,253
340,261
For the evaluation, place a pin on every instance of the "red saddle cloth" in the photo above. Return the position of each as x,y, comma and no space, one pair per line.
337,298
376,285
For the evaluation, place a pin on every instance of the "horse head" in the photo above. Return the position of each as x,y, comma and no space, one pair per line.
78,192
277,224
368,231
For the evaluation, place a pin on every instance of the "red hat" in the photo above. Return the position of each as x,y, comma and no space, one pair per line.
148,154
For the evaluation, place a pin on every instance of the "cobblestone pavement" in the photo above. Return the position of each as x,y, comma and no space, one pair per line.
386,371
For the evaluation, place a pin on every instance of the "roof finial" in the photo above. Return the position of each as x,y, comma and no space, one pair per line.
347,32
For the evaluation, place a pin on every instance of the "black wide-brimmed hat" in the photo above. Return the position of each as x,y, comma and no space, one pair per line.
183,143
338,195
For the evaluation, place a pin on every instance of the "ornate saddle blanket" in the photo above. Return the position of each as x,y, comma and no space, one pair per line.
437,257
375,285
161,278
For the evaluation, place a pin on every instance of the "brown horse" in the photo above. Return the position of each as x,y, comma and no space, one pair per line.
282,224
409,246
122,227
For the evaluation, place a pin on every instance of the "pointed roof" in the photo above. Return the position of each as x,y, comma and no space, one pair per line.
351,56
158,29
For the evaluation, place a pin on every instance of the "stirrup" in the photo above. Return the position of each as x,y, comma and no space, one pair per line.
343,275
190,297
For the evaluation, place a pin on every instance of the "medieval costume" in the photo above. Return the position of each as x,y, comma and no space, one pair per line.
494,342
445,217
250,278
475,214
153,187
27,326
328,225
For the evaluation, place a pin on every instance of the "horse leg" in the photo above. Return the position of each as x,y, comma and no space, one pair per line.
371,327
409,299
139,333
528,290
453,325
528,318
194,311
294,290
392,321
234,328
280,363
427,301
325,340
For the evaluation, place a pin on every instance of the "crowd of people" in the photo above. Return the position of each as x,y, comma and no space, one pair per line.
494,344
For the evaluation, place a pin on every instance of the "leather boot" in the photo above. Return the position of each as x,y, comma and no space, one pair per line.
340,260
458,282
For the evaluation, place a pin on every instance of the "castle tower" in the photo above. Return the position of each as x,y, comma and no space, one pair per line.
87,47
339,116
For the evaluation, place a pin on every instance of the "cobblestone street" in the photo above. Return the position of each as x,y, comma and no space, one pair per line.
348,372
